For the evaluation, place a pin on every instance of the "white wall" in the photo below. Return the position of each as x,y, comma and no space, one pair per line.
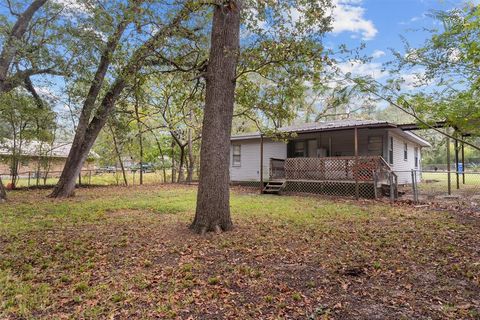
249,169
401,166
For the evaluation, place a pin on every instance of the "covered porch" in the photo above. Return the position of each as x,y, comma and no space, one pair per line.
338,162
362,176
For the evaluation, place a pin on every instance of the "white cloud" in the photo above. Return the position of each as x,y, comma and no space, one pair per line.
378,53
348,16
359,68
73,7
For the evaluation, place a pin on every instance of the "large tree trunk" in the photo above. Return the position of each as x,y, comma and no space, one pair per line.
3,193
79,152
213,200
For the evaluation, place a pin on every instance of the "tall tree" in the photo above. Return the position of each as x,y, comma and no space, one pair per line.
213,200
94,119
283,42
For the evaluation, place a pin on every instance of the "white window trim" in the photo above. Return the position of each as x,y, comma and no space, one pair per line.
239,164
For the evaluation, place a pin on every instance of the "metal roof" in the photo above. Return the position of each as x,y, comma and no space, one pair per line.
336,125
323,126
36,148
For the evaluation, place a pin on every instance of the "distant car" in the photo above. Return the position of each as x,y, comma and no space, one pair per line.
146,167
107,169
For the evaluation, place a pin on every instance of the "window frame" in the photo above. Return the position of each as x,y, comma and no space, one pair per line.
239,155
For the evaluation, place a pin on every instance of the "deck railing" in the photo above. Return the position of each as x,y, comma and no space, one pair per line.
328,168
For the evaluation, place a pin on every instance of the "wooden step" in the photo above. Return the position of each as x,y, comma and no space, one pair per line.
274,187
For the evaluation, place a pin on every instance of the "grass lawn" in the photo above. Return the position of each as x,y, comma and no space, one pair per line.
89,178
126,253
437,182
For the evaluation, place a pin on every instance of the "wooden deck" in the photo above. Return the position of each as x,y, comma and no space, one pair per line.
334,175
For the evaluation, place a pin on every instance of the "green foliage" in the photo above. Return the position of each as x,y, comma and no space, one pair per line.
451,76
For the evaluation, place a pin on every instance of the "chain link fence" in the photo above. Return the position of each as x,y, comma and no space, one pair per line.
442,185
47,179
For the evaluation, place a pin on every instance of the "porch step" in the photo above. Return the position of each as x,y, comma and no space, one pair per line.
274,187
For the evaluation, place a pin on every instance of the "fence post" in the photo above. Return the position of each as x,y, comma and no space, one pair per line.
357,187
463,162
414,186
457,176
29,179
90,177
375,181
390,182
449,175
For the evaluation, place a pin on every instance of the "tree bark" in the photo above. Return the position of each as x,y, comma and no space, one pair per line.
10,47
213,199
3,193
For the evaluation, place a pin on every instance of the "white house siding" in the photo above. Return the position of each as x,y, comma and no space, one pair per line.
403,167
249,169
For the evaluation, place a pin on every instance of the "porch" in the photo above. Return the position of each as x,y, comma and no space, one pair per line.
361,176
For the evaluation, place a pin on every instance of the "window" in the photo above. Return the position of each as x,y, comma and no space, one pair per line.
390,151
236,156
416,157
405,151
299,150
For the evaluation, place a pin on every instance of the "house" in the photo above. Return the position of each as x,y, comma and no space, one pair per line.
35,156
340,154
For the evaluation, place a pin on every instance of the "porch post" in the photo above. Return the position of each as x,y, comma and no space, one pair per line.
449,177
261,163
357,191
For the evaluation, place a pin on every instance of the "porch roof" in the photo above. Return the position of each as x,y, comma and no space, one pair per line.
323,126
337,125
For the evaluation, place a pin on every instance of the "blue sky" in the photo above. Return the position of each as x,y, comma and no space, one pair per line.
380,24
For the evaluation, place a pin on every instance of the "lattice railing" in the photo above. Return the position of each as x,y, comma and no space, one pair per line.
332,168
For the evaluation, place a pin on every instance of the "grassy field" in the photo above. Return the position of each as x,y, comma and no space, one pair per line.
437,182
127,253
92,178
